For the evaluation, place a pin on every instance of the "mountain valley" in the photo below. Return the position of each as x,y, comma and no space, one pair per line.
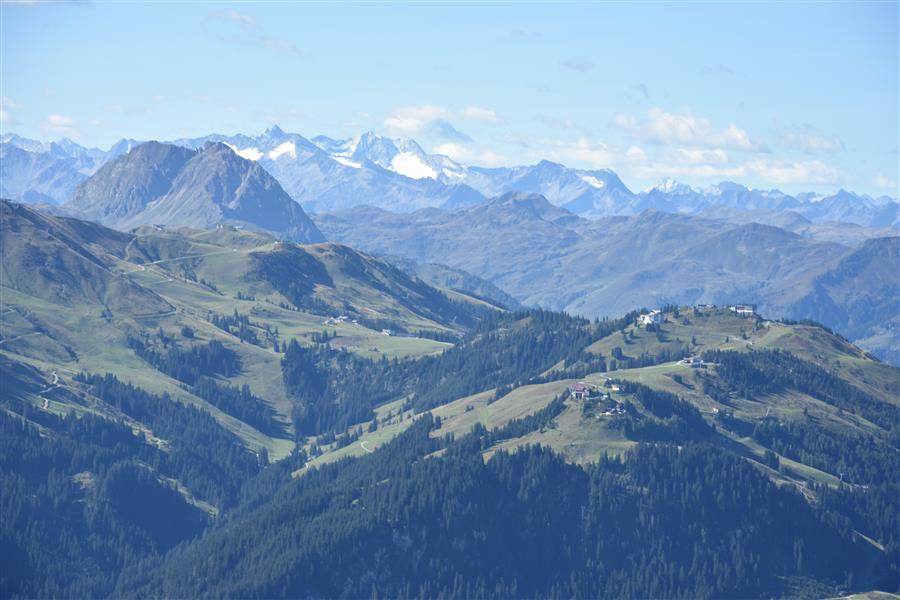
546,256
313,371
430,301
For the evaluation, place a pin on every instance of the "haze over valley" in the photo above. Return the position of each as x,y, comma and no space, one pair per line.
546,301
549,236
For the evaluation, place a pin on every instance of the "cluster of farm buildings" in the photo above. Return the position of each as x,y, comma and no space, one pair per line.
338,319
585,391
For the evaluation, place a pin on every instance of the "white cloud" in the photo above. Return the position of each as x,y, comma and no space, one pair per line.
60,124
582,151
234,16
786,172
6,117
482,114
774,172
663,170
491,159
698,156
885,183
457,152
465,155
412,120
636,154
426,119
811,143
669,129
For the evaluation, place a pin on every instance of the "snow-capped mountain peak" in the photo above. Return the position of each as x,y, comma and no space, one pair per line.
671,186
402,156
326,174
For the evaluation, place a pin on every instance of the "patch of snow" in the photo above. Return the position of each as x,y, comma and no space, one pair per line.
287,148
248,153
410,165
593,181
345,161
350,147
450,168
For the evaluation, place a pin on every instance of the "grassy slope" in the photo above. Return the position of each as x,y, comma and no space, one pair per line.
829,352
583,439
68,339
83,337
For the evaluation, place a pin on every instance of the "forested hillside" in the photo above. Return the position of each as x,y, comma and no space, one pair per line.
662,522
214,413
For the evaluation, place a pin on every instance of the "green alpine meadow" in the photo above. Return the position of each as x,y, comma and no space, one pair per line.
546,301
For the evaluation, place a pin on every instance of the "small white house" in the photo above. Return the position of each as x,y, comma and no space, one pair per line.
651,318
743,310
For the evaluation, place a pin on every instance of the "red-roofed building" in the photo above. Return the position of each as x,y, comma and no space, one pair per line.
581,391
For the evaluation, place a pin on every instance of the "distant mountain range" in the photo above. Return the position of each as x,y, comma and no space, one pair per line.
326,175
49,172
566,239
164,184
544,255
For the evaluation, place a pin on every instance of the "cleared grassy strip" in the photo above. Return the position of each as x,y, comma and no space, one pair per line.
455,418
521,402
369,442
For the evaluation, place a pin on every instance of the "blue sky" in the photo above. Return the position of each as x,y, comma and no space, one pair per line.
799,96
